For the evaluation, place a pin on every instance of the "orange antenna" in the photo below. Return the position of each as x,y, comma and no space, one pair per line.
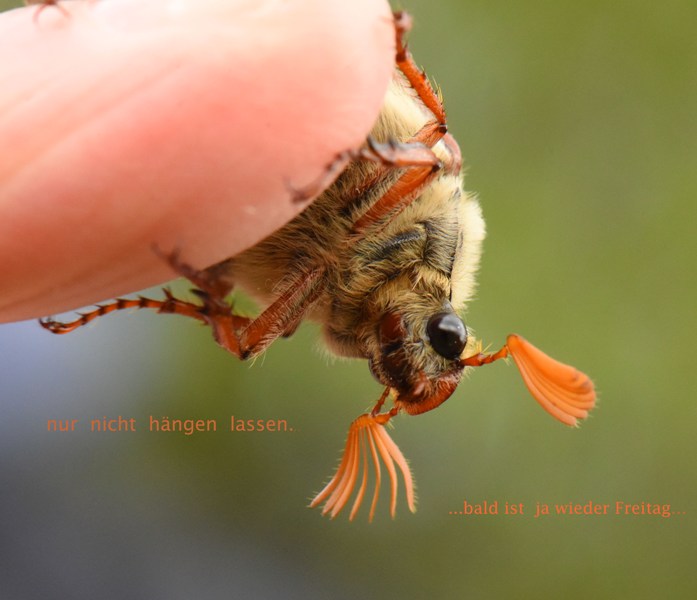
563,391
367,433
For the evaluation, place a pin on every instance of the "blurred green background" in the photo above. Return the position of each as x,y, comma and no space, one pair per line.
577,123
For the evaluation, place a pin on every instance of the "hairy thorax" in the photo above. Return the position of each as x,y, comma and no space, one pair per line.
414,263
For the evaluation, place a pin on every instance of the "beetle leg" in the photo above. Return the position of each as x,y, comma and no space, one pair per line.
391,154
411,153
281,316
400,195
209,280
416,77
242,336
410,184
170,305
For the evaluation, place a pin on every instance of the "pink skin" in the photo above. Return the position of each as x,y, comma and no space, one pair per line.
178,123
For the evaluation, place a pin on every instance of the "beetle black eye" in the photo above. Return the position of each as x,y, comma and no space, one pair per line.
447,334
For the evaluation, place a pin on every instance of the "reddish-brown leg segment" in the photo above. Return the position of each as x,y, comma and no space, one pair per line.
416,77
170,305
402,193
241,336
391,154
414,155
419,175
283,315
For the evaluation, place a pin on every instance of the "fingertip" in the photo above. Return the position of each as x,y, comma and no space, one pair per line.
176,123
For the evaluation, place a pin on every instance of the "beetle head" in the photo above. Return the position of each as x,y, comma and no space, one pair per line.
420,359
